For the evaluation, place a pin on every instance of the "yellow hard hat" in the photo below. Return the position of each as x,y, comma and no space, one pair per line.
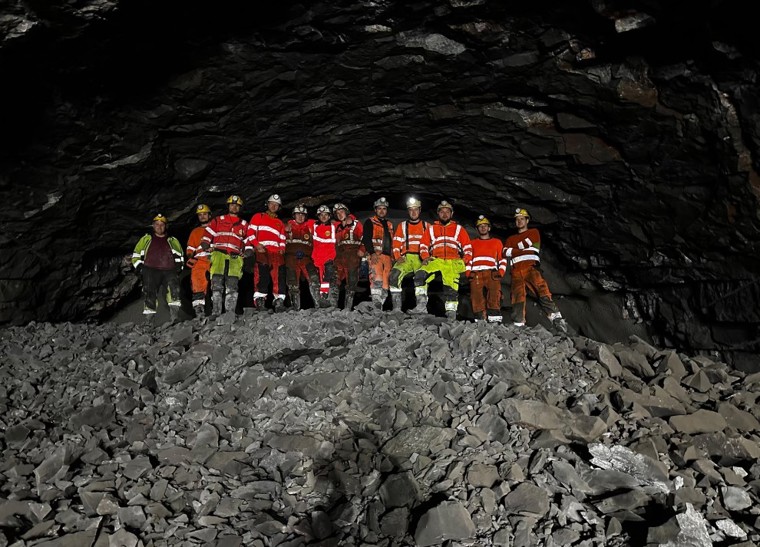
202,208
521,213
235,199
482,220
160,218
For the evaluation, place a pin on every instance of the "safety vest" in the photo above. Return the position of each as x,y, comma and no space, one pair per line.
487,255
522,250
194,249
376,237
407,238
267,230
141,249
447,241
298,236
226,234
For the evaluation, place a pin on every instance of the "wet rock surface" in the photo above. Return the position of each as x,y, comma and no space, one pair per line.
373,429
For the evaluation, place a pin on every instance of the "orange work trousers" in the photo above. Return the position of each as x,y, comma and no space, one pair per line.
380,271
199,276
485,292
531,280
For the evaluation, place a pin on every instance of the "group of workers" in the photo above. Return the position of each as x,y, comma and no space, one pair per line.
328,251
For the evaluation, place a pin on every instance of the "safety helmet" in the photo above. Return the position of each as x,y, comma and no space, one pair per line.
382,202
412,203
235,199
202,208
275,198
338,206
300,208
445,205
521,213
482,220
323,209
160,218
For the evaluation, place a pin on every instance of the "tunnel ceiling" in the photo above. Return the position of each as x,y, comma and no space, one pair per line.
629,129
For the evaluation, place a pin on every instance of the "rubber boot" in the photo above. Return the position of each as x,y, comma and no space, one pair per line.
451,309
349,301
259,303
314,290
279,304
200,310
332,296
422,302
396,297
230,300
295,300
560,325
383,297
217,301
174,313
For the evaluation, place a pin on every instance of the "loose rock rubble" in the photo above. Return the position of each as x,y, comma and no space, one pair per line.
332,428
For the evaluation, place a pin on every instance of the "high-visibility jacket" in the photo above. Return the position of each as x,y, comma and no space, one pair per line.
324,238
378,235
141,249
194,251
407,237
522,250
226,234
447,241
350,236
298,237
487,255
268,230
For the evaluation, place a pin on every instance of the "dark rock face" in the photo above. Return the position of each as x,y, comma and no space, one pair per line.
629,130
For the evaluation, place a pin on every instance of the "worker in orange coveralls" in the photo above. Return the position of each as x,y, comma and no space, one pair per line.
523,252
378,241
485,271
198,261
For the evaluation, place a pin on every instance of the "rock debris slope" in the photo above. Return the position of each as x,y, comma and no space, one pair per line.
333,428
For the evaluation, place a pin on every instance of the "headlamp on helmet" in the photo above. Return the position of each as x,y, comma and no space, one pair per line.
202,208
413,203
275,198
300,208
237,200
445,205
482,220
382,202
521,213
338,206
323,209
160,218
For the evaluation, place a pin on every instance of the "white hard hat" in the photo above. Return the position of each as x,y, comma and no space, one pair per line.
382,202
275,198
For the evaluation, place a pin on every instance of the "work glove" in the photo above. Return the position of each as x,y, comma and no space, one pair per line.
260,248
248,263
205,245
248,253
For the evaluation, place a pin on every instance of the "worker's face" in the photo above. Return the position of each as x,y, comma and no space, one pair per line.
203,218
273,206
300,218
233,208
414,213
381,211
444,215
483,229
159,228
521,222
324,217
341,214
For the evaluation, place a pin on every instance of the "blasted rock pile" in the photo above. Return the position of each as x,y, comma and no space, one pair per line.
330,428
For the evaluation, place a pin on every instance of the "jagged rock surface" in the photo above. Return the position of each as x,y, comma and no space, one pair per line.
334,428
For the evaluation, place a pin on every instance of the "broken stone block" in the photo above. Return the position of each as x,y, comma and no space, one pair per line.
395,523
418,440
687,528
738,419
645,470
701,421
735,498
482,475
527,499
400,490
447,521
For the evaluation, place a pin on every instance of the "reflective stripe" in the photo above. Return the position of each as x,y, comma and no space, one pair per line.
555,315
331,239
210,231
480,268
138,263
451,305
494,318
258,294
525,258
146,311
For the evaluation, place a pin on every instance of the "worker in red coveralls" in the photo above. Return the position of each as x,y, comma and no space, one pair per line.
198,261
298,261
522,250
485,271
266,240
225,237
378,241
349,254
324,237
